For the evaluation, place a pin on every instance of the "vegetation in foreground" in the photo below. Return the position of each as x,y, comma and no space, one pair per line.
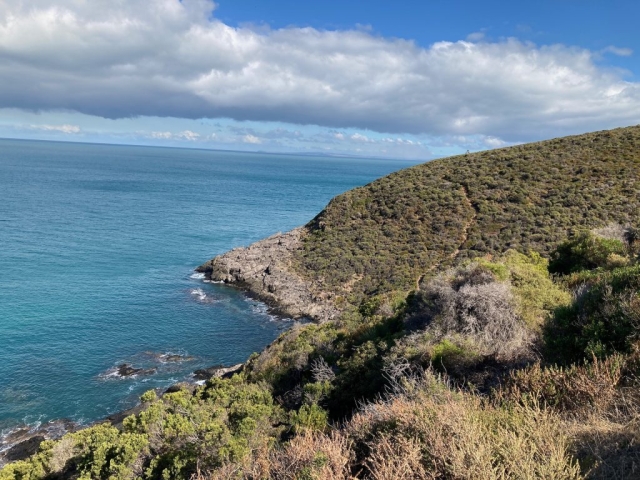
492,369
501,363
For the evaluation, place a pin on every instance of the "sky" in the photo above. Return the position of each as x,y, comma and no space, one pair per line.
402,79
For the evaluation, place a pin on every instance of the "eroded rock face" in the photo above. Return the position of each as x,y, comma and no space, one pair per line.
265,269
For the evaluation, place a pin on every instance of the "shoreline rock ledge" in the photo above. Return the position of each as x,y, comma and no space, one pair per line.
265,270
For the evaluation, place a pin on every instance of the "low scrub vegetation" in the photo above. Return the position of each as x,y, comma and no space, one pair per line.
384,236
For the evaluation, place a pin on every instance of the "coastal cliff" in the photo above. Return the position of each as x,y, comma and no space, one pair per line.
265,269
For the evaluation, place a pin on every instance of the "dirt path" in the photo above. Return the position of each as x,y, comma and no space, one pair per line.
467,225
465,234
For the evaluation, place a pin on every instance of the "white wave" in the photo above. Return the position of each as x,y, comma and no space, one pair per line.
199,293
111,373
197,276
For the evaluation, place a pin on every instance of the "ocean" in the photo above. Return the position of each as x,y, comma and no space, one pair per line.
97,249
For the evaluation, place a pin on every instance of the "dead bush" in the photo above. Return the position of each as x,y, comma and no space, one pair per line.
469,301
309,455
316,455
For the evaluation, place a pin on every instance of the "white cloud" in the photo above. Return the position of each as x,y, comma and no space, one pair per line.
69,129
251,139
493,142
619,51
358,137
188,135
162,135
117,58
475,36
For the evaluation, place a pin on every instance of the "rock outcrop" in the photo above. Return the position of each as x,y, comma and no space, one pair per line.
24,442
217,371
265,270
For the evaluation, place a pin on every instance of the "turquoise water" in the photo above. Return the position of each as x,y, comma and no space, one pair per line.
97,249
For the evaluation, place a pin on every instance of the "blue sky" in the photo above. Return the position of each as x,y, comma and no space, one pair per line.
593,24
394,79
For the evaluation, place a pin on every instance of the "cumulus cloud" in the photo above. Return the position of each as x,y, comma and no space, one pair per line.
494,142
127,58
358,137
251,139
475,37
188,135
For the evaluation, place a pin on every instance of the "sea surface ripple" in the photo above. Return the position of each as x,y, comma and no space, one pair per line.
97,249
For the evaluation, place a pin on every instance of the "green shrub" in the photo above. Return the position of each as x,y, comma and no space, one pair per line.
453,356
384,236
587,252
603,319
309,417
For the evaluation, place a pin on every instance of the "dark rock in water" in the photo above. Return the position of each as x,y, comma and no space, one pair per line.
217,371
175,358
117,418
24,442
128,370
24,449
178,387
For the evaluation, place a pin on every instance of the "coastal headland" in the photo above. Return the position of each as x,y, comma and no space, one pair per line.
473,317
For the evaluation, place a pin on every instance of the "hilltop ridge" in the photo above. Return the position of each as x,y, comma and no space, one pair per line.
388,235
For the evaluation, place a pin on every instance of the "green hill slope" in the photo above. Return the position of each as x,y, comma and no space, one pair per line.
386,235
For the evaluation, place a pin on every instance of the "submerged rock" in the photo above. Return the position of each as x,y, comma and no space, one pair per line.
128,370
170,357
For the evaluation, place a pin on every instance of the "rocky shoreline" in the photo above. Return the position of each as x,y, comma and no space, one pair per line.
23,442
265,270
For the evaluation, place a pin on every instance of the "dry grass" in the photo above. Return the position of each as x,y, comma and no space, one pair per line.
312,456
608,450
451,435
575,391
427,431
598,407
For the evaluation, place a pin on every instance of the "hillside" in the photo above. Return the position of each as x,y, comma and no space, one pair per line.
386,235
478,317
